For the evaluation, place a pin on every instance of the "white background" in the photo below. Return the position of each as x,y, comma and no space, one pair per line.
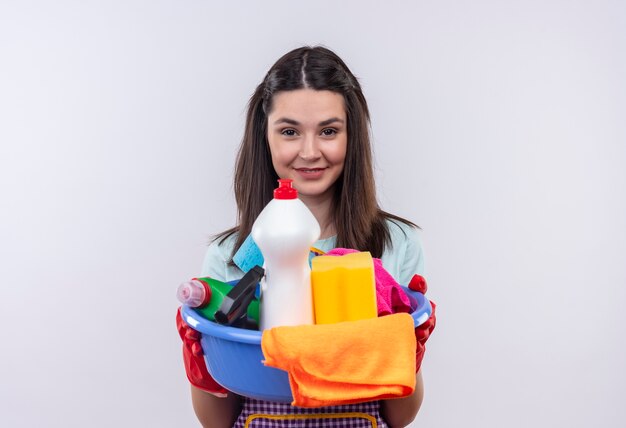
498,127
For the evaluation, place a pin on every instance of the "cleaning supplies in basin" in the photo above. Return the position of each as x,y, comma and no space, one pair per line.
343,288
285,231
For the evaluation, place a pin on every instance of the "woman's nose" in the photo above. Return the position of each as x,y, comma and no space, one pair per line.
309,149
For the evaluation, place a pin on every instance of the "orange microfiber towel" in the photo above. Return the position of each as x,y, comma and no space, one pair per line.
346,362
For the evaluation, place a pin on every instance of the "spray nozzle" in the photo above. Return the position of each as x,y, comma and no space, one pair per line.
236,302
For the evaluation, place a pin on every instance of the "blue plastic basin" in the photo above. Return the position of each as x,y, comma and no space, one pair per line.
233,355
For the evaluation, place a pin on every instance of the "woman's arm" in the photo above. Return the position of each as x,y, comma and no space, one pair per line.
215,412
400,412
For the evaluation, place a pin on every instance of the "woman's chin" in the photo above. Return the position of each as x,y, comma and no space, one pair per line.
313,191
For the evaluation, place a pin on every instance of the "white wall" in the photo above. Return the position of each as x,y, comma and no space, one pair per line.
498,126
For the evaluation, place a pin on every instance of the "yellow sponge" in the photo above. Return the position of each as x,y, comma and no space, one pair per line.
344,288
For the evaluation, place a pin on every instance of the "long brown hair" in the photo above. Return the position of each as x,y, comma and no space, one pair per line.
359,221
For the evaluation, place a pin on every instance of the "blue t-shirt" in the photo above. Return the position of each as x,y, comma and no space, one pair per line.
402,259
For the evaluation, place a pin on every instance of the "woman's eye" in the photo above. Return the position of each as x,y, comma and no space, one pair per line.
288,132
329,132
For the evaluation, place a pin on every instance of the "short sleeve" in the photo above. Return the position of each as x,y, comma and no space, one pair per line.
414,256
215,263
405,257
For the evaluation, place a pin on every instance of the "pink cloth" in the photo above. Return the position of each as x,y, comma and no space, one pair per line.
390,298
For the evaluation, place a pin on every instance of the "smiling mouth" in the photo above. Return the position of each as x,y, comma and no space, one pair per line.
310,169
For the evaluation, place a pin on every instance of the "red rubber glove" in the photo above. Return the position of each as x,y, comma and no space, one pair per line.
195,366
422,332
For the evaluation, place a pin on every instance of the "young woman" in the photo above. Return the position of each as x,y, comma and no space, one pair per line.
309,121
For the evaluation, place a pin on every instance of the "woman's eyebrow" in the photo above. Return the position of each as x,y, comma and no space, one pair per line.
329,121
295,122
287,121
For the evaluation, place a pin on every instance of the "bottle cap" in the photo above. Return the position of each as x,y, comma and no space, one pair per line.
193,293
285,189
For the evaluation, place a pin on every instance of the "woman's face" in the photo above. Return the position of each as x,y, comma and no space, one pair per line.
307,134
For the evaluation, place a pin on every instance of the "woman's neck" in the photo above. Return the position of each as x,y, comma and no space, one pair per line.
322,211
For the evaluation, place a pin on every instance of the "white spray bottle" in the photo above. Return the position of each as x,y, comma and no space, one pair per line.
284,232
